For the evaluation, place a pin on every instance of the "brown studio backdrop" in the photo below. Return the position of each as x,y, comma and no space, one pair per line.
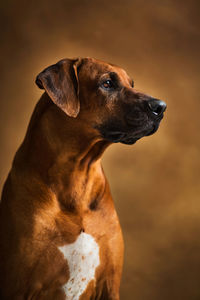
155,183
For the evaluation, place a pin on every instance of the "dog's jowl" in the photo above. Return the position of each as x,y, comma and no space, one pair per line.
60,236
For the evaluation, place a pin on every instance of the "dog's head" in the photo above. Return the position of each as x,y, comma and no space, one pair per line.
103,97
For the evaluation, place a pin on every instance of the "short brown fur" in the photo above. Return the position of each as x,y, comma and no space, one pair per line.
56,188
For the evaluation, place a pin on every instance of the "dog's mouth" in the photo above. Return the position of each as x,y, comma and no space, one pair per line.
130,140
118,131
128,137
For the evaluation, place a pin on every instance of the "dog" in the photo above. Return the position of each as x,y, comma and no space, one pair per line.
60,236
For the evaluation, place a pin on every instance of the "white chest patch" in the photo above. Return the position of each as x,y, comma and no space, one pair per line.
82,258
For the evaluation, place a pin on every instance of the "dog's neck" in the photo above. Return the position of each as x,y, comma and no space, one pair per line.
61,155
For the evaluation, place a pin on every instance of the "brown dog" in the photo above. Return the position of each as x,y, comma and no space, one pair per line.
59,231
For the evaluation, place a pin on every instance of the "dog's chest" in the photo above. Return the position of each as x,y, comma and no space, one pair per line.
82,258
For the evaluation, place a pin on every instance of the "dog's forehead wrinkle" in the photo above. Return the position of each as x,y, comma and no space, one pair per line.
97,69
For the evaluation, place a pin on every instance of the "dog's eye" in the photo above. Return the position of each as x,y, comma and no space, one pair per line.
108,84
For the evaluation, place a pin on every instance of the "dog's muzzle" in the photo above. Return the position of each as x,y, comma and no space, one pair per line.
139,121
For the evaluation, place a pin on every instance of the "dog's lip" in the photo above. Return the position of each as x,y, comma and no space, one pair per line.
119,135
154,128
130,133
123,137
152,131
116,135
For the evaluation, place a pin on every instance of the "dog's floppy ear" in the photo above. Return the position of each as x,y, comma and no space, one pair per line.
60,81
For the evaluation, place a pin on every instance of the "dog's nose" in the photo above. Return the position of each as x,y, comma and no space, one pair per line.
156,106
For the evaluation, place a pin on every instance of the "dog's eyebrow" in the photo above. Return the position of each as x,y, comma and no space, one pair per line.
114,76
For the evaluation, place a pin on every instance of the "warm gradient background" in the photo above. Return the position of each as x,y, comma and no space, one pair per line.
155,183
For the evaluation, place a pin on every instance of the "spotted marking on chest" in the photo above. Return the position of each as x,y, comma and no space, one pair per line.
82,258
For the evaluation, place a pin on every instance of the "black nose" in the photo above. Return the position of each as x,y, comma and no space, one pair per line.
156,106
